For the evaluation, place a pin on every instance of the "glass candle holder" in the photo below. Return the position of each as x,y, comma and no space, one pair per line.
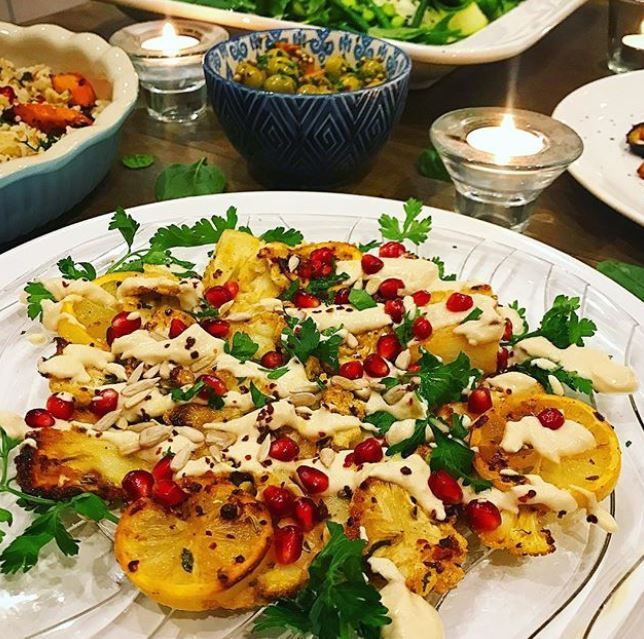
626,35
500,159
168,58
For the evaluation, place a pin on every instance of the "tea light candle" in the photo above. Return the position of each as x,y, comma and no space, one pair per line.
505,141
169,42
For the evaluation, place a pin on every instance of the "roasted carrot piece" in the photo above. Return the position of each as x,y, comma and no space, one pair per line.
80,88
289,47
48,118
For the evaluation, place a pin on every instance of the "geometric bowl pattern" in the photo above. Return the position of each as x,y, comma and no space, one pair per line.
307,141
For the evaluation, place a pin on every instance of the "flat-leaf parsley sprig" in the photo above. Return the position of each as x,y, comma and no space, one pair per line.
413,228
48,523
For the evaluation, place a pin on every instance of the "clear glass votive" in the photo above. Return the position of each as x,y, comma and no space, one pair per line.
500,159
626,35
168,57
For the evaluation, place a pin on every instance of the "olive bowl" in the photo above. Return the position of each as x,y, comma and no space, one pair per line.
307,141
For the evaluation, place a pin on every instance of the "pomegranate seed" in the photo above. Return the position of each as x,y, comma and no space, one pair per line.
482,516
389,287
215,386
502,358
459,302
272,359
422,298
162,468
551,418
376,366
395,309
312,479
9,93
104,402
177,327
388,347
121,325
168,493
368,451
351,370
288,542
232,288
39,418
305,512
392,249
371,264
507,331
348,461
305,270
217,296
137,484
324,255
342,296
284,448
445,487
216,327
413,368
320,269
421,328
479,401
302,299
59,407
279,501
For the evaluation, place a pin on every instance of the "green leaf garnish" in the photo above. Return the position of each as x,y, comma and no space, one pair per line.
185,180
381,419
361,299
71,270
338,602
408,446
441,270
137,160
443,383
181,395
303,340
567,378
521,312
473,315
413,229
369,246
404,331
292,237
125,224
275,373
430,164
259,399
321,285
36,293
242,348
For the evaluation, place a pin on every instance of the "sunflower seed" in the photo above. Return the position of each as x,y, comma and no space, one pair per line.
303,399
152,372
349,384
394,394
215,452
181,458
225,307
153,435
351,341
372,286
194,435
239,317
264,449
139,386
327,455
136,374
131,402
107,421
403,360
221,438
293,262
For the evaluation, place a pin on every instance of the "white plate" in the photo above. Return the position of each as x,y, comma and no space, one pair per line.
508,36
602,112
550,597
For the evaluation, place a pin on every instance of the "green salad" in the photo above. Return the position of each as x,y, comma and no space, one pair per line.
421,21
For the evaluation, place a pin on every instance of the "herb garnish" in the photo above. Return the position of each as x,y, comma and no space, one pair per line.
259,399
473,315
48,525
570,379
441,270
180,395
184,180
76,270
359,298
369,246
521,313
36,293
404,331
292,237
413,229
275,373
408,446
381,419
304,340
337,602
320,286
430,164
137,160
242,347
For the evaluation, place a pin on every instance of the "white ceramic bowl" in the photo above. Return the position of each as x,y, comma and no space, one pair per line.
36,189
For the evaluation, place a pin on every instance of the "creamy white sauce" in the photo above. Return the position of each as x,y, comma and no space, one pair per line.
604,519
61,288
347,317
75,362
400,430
188,292
37,339
518,325
514,382
572,438
14,425
411,616
53,314
607,375
409,406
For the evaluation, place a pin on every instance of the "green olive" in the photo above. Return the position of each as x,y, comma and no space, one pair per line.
350,82
308,89
282,66
279,83
277,53
370,69
336,65
250,75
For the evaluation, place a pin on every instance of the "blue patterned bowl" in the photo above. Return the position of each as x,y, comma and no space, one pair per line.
307,141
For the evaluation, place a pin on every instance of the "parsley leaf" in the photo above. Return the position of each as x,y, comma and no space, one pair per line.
473,315
430,164
290,290
184,180
303,340
36,293
413,229
180,395
369,246
321,285
442,383
292,237
404,331
561,325
125,224
441,270
337,602
570,379
361,299
381,419
521,312
76,270
259,399
205,311
243,347
137,160
408,446
204,231
275,373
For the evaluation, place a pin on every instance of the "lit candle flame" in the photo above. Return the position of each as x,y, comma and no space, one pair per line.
169,38
170,43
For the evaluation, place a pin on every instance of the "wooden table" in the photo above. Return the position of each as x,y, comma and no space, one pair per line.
566,216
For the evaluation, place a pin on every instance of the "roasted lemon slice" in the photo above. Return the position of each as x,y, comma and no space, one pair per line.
596,469
186,558
427,553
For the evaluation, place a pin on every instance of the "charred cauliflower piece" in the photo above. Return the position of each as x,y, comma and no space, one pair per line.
520,534
430,555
